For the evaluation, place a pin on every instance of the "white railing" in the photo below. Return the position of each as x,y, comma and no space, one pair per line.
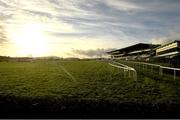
125,68
169,68
144,65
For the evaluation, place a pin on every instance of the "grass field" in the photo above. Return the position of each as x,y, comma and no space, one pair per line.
93,81
85,79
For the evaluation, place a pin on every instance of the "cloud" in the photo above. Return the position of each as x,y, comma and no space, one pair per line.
170,37
123,5
101,23
95,17
3,37
91,53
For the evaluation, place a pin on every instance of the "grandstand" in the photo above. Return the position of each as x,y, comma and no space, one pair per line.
140,51
169,52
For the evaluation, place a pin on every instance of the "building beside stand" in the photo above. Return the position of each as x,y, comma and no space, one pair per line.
169,52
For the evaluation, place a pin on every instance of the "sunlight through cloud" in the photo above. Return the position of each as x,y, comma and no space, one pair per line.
30,39
55,27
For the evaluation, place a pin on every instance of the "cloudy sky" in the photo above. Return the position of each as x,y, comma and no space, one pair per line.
71,27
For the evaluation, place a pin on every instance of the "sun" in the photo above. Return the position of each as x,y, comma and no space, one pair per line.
30,40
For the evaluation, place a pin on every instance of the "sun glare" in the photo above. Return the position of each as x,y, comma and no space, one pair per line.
30,40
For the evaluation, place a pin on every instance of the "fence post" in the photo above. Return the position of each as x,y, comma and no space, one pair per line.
151,68
124,73
160,71
174,74
135,75
139,66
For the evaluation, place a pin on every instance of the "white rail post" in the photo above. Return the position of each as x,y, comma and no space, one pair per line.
135,75
124,73
129,73
160,71
139,66
151,68
174,74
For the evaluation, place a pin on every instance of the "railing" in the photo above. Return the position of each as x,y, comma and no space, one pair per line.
158,68
125,68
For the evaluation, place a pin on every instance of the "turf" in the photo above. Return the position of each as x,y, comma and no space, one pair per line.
79,79
85,79
93,81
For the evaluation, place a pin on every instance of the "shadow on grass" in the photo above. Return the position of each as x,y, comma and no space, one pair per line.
49,107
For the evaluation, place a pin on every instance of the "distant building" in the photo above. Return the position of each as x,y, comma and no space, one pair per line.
23,59
140,51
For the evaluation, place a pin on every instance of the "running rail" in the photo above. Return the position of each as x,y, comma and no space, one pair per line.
160,67
125,67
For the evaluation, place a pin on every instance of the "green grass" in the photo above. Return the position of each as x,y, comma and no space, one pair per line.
93,80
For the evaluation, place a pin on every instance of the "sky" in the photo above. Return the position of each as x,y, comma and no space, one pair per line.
84,28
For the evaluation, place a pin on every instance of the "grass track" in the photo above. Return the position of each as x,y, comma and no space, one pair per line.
89,82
